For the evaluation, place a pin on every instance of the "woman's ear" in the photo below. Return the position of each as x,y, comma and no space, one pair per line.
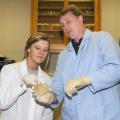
28,50
80,18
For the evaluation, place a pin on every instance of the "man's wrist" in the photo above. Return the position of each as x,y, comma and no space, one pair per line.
53,98
87,80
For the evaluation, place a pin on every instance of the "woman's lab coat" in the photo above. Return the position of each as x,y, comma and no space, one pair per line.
16,101
99,59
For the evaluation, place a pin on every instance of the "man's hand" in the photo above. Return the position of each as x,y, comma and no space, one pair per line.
75,84
29,80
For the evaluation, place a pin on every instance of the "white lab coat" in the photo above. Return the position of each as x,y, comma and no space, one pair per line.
16,100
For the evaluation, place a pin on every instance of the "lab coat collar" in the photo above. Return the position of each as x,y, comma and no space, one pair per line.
86,36
23,69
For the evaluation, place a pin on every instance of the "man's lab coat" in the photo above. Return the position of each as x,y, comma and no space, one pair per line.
99,59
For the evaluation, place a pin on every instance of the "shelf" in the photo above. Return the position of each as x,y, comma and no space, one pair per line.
50,30
81,1
48,15
55,27
51,0
55,15
50,8
56,48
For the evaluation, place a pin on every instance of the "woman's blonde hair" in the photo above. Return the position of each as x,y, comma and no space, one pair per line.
35,38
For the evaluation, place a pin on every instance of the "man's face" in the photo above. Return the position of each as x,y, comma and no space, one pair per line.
71,25
38,52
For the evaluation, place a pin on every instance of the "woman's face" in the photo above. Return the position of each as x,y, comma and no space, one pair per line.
38,52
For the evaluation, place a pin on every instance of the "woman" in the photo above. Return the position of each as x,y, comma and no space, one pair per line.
16,80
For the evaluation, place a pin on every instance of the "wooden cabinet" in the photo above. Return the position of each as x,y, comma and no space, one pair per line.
45,18
91,12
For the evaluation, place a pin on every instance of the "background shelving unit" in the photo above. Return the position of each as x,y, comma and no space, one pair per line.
45,18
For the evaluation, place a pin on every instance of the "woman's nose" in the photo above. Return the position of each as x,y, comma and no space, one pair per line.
41,51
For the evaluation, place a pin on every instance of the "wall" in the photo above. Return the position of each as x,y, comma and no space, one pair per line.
110,17
14,27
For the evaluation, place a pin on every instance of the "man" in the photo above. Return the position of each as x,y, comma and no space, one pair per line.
87,74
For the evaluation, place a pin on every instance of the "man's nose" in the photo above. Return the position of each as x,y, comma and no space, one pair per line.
66,28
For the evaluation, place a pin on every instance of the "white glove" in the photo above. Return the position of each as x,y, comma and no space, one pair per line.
45,99
29,80
76,84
